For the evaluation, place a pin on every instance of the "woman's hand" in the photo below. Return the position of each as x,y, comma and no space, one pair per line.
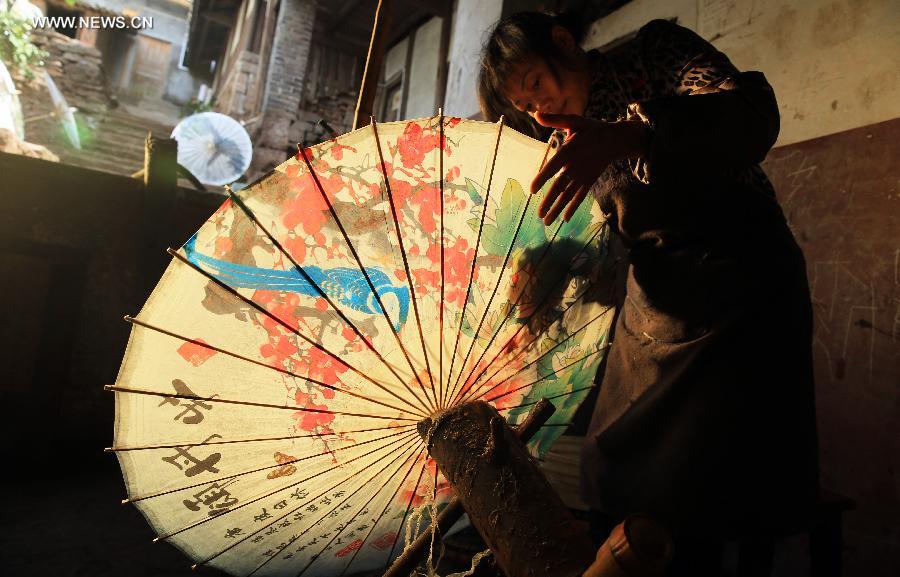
591,145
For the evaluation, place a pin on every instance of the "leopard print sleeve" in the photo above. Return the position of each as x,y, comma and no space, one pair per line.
679,62
729,122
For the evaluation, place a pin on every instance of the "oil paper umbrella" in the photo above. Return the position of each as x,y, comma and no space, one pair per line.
267,402
63,111
213,146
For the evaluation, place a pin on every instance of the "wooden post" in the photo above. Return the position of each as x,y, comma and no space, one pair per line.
509,501
384,15
405,563
160,176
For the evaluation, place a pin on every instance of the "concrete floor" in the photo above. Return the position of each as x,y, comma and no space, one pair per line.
66,520
71,524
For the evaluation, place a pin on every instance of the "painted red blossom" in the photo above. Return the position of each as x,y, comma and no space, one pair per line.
315,418
415,143
195,353
321,366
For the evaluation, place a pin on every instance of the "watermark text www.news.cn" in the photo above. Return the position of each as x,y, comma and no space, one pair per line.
96,22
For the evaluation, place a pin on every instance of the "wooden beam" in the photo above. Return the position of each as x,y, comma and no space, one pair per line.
348,7
443,66
384,14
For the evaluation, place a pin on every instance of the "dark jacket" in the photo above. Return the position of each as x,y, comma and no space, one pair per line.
705,415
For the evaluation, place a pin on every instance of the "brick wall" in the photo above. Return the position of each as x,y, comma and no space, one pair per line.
284,85
290,52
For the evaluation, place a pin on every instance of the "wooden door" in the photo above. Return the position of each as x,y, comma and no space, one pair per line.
151,67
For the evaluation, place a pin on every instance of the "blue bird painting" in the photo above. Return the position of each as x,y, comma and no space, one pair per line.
347,286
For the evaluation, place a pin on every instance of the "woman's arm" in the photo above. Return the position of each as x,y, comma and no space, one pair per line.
731,120
703,118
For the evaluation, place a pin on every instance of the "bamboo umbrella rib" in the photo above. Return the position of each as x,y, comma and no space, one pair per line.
353,493
515,304
524,323
383,512
545,353
405,515
505,318
518,227
559,316
536,381
315,285
463,394
207,519
257,440
542,355
294,510
487,195
499,278
412,289
363,506
262,364
528,404
487,307
252,404
441,176
365,273
251,471
278,320
363,485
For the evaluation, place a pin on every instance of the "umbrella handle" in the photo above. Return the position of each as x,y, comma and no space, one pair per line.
409,559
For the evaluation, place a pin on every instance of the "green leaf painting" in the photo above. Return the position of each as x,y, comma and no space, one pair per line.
474,194
498,235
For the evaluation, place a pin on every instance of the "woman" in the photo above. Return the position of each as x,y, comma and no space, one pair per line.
705,415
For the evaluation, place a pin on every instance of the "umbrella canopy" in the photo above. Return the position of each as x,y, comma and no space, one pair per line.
267,402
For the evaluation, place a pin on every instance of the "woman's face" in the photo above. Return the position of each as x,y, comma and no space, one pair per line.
536,87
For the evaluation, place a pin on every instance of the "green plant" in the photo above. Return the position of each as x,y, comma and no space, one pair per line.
193,106
16,48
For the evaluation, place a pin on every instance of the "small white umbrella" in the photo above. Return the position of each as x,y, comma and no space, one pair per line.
214,147
63,111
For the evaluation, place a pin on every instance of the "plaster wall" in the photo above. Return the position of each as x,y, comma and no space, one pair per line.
834,64
395,59
424,69
472,20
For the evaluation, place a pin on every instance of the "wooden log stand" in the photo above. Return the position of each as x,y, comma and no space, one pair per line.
509,501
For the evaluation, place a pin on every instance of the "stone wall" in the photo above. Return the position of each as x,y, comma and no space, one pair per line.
77,71
239,94
337,112
290,52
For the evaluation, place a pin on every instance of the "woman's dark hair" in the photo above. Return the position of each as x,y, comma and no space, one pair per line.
514,40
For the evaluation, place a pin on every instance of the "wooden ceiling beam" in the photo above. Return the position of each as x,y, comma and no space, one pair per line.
345,10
